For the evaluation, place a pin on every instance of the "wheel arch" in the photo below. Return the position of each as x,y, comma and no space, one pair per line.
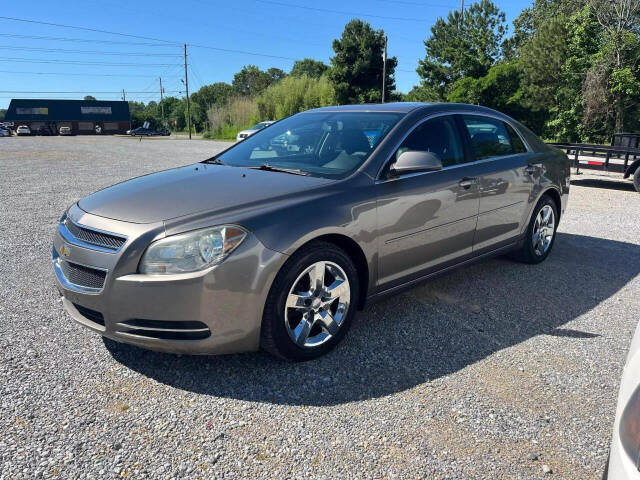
355,252
631,169
555,195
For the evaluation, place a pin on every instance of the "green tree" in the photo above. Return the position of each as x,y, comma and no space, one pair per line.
620,21
458,49
422,93
542,60
356,68
309,67
275,75
501,89
253,81
89,97
214,95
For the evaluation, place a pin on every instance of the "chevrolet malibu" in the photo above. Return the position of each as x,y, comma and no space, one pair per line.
277,241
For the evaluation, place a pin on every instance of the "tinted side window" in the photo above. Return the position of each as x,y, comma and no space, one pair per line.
439,136
516,141
489,137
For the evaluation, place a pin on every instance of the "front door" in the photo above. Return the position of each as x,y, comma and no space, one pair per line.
426,219
504,182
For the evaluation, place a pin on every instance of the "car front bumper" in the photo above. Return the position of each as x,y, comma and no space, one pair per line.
214,311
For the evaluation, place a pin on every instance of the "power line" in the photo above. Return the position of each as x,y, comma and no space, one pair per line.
228,50
341,12
92,52
78,91
244,52
73,62
83,40
87,29
79,74
417,4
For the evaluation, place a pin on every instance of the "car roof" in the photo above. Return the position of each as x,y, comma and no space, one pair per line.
400,107
404,107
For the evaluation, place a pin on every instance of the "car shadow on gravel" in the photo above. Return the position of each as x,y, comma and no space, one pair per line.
426,333
621,184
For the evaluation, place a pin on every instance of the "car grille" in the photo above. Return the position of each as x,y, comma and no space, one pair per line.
165,329
94,237
93,315
83,276
243,135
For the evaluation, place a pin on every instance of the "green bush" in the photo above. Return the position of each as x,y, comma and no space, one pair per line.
293,95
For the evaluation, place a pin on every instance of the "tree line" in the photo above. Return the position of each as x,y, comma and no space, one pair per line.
569,69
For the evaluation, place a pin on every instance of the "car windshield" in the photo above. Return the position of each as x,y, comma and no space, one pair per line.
259,126
321,144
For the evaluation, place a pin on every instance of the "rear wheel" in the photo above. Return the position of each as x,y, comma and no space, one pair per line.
311,303
541,233
636,179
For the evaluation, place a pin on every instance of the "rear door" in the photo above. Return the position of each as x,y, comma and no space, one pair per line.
505,179
426,219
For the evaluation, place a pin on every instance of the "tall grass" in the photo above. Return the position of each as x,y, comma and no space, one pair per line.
238,114
293,95
287,97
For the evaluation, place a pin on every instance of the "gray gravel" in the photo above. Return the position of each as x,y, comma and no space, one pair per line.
498,370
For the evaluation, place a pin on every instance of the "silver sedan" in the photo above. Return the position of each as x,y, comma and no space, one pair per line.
277,241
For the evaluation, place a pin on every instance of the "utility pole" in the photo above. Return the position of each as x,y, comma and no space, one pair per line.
384,69
124,95
461,14
162,104
186,84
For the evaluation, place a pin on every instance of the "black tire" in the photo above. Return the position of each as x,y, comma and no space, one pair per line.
274,337
605,474
636,179
526,253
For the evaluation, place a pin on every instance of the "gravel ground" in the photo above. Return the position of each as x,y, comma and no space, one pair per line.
498,370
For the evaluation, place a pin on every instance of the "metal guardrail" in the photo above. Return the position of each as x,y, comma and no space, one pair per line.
607,152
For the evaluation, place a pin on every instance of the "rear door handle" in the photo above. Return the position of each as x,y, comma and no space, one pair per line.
467,182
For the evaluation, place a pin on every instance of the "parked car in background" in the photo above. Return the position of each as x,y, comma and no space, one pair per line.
43,131
624,459
163,132
256,128
141,132
275,242
5,132
65,131
23,130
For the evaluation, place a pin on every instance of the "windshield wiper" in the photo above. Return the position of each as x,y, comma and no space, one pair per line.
272,168
214,161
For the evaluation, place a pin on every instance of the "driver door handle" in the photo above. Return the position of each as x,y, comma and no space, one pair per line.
467,182
532,168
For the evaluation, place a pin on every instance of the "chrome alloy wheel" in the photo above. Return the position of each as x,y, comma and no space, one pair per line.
543,230
317,304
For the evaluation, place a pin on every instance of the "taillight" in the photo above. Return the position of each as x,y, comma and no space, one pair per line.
630,428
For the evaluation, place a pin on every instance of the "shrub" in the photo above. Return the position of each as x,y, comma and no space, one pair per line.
293,95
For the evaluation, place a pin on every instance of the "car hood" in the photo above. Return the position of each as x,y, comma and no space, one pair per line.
191,189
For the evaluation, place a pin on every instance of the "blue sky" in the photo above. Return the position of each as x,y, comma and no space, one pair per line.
271,29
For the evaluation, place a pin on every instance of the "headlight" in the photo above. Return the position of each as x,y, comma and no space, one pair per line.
192,251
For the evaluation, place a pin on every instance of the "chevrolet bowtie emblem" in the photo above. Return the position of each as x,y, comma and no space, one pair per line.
64,251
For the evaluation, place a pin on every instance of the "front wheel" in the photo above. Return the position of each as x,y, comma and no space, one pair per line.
311,303
540,234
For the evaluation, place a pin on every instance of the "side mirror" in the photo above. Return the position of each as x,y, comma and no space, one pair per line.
413,161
